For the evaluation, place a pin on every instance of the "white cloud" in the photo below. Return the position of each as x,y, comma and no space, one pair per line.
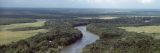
116,1
113,3
83,3
147,1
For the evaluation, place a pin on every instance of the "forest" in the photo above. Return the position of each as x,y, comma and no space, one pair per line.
51,30
60,34
6,21
116,40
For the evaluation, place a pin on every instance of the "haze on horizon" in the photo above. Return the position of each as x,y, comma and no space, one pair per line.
118,4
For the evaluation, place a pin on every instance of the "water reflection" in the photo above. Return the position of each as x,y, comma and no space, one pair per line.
87,38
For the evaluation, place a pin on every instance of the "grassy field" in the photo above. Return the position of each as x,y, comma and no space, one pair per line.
7,37
22,25
153,31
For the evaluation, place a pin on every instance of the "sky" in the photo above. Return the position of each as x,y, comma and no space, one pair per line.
118,4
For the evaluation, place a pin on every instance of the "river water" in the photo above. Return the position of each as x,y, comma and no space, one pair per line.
87,39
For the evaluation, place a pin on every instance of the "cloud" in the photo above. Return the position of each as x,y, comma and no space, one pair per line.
147,1
82,3
116,1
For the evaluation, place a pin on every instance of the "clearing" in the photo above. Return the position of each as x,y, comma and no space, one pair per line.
7,37
153,31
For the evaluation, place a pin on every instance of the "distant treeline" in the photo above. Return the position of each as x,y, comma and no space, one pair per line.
25,29
49,13
6,21
38,16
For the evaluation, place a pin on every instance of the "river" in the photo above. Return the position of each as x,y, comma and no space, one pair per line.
87,39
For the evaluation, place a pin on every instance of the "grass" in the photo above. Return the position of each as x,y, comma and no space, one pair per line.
22,25
145,29
153,31
7,37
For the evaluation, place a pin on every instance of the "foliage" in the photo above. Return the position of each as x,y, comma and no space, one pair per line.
60,34
116,40
6,21
18,31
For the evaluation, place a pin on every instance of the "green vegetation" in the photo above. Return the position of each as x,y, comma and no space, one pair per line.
25,29
22,25
153,31
7,37
15,32
58,13
143,29
51,36
116,40
6,21
61,33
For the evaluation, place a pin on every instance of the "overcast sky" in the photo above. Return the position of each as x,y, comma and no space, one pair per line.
124,4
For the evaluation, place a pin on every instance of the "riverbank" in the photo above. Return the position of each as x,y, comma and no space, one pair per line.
59,35
87,39
116,40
